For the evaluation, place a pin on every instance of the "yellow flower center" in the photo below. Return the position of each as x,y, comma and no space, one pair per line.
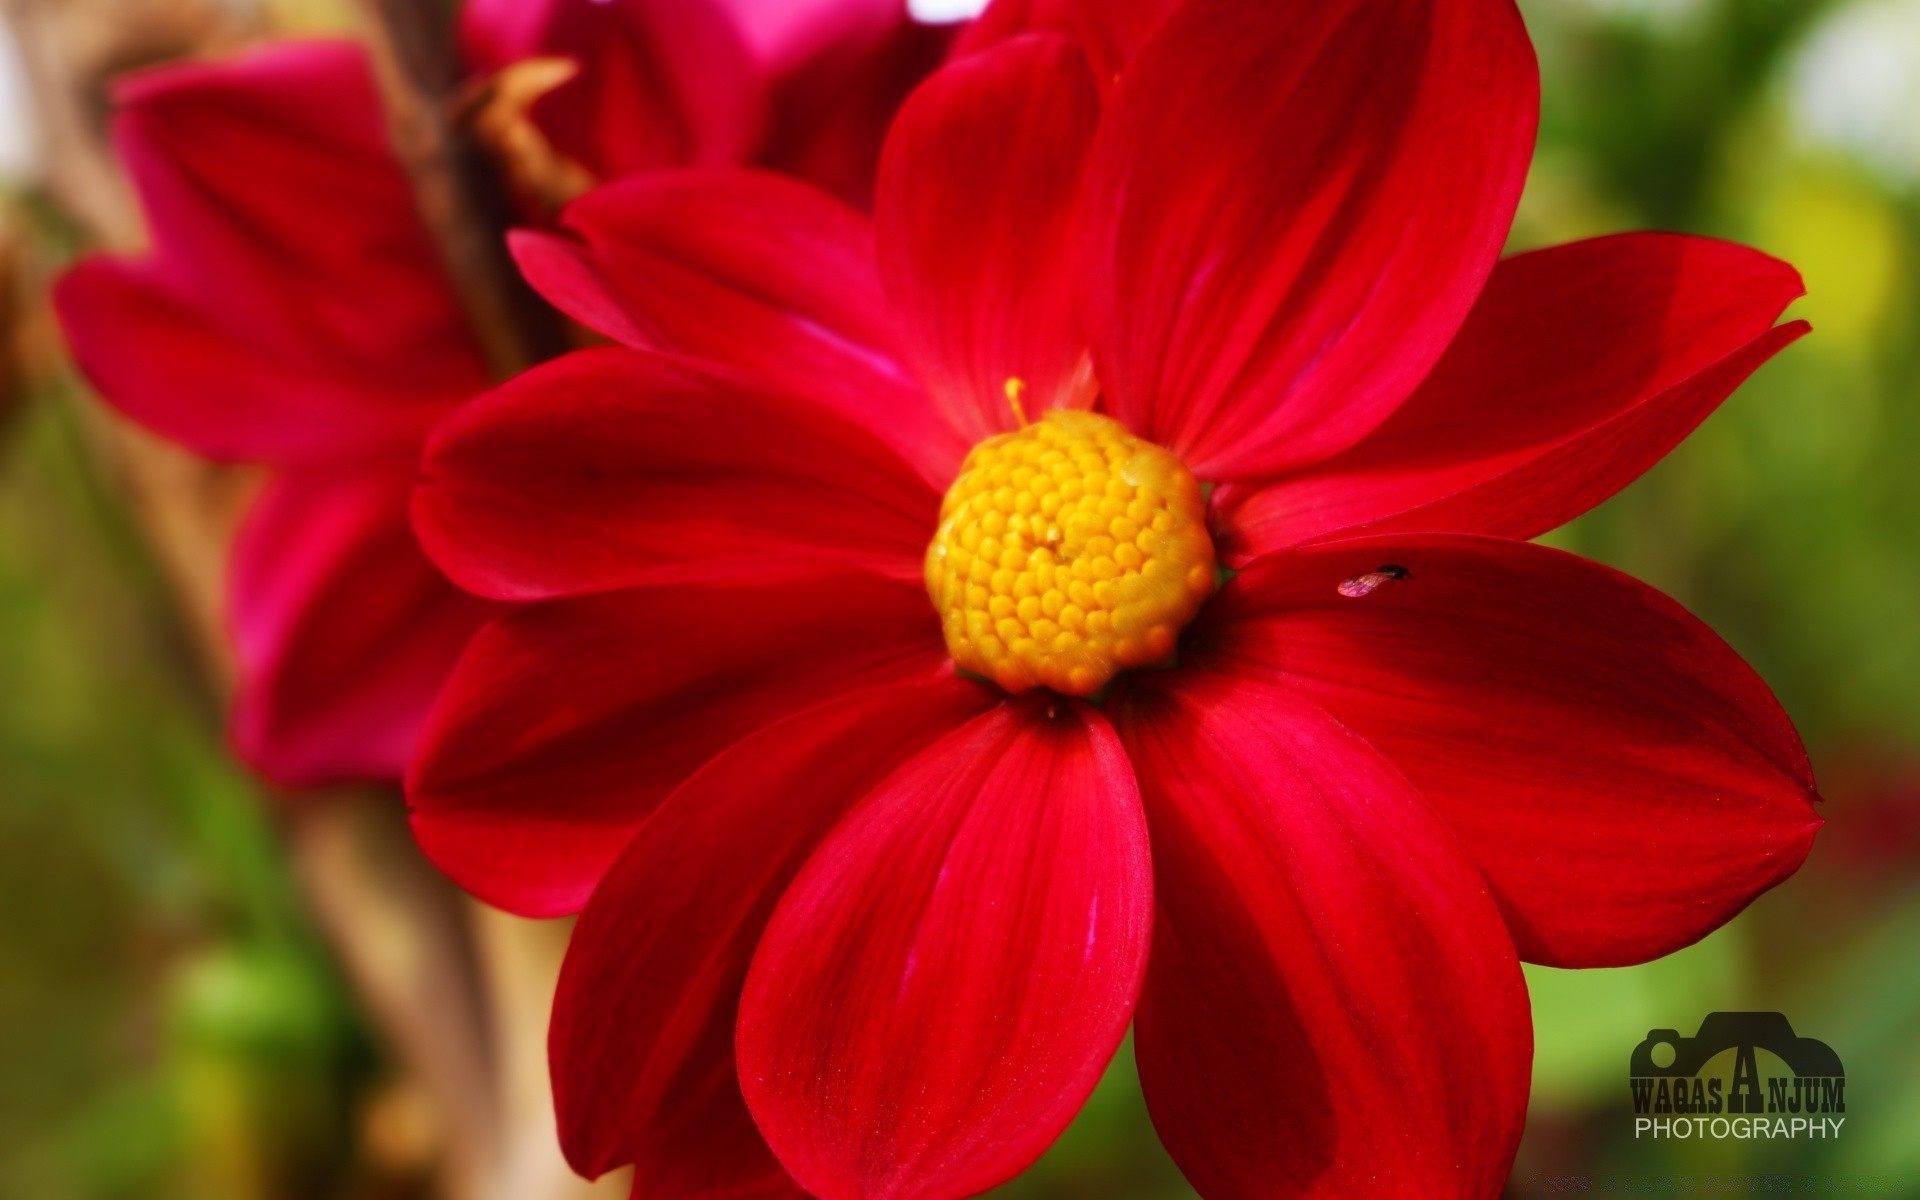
1068,551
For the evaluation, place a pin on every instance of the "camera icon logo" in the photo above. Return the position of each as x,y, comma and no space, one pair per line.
1663,1063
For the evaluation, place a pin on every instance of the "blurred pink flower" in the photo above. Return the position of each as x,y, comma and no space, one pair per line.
294,311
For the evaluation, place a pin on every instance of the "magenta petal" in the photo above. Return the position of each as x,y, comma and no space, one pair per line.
662,83
176,365
832,108
293,306
344,632
945,981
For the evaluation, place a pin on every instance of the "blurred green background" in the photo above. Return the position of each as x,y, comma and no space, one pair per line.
168,1018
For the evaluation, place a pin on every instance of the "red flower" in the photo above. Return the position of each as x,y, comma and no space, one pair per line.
295,313
803,87
894,920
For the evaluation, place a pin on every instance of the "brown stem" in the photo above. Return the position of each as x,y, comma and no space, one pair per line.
469,212
401,935
465,208
521,960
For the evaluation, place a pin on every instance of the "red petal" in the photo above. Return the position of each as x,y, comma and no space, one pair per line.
1110,32
294,304
1292,207
777,34
753,271
497,33
788,33
176,365
611,468
831,112
975,228
1333,1007
567,723
345,633
942,985
1626,782
803,88
642,1043
663,83
570,277
1579,368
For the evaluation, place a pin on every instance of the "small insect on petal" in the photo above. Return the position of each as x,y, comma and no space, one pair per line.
1365,585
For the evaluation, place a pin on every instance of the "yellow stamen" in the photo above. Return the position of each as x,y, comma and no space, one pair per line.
1017,388
1068,551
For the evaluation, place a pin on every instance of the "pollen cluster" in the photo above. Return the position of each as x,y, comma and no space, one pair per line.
1068,551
